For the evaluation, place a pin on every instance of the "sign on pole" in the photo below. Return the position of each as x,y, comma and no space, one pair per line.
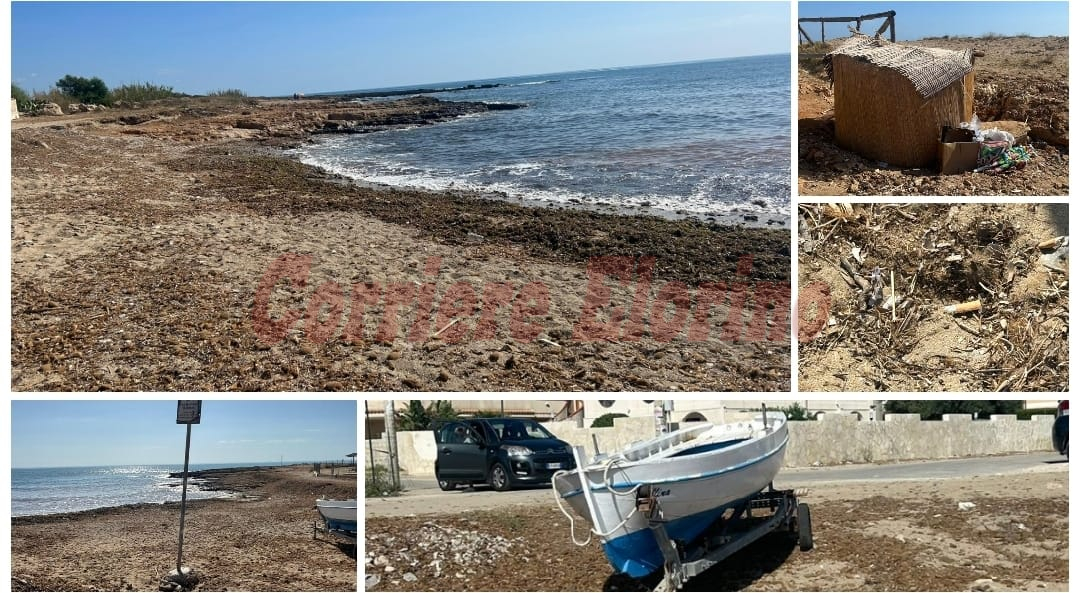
187,412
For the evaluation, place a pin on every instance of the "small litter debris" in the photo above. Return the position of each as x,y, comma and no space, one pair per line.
961,308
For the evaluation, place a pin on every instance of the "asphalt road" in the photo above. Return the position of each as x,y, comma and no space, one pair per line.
422,493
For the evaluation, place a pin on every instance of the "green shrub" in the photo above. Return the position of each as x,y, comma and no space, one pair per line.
21,97
228,93
85,90
53,95
417,417
796,412
378,482
140,92
607,420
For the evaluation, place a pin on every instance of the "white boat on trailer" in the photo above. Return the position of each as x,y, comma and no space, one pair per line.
339,516
676,487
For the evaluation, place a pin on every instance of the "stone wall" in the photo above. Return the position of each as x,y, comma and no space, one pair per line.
834,440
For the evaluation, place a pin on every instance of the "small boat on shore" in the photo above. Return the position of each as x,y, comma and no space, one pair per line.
694,475
338,515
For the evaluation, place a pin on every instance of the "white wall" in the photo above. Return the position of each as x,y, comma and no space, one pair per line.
836,439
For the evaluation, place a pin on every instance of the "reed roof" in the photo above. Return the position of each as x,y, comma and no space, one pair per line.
929,69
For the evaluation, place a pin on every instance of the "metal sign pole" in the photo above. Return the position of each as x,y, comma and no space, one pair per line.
187,412
183,503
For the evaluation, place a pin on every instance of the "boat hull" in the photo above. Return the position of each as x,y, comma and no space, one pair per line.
693,487
339,515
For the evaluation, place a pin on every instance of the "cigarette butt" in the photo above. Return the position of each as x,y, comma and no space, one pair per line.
967,307
1051,243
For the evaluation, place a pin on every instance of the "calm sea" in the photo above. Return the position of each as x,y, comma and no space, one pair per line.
704,139
41,491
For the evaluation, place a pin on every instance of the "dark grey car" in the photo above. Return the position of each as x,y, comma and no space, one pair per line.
503,452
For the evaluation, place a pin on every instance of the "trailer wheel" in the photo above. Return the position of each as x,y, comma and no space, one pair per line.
806,531
623,582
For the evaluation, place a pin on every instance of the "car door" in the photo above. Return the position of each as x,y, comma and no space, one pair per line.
461,453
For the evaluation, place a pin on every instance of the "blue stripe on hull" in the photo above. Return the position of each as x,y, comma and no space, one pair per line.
637,554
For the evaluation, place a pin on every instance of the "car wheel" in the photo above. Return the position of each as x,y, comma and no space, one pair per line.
447,485
444,484
499,478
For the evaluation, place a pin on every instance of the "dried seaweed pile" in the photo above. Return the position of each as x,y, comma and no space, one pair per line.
932,298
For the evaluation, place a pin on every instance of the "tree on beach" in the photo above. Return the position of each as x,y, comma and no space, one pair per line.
86,90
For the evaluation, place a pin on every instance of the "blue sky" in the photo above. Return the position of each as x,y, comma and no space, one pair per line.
278,48
80,433
917,20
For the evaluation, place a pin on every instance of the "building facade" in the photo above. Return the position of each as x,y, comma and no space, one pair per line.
719,410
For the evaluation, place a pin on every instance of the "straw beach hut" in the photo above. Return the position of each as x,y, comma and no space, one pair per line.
891,100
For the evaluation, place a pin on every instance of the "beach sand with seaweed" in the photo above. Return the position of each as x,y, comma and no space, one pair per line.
159,248
261,540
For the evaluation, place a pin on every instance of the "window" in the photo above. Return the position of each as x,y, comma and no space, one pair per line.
448,434
519,430
457,433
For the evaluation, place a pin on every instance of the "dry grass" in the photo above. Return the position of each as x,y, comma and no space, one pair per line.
933,256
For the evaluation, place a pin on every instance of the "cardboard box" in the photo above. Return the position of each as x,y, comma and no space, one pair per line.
958,152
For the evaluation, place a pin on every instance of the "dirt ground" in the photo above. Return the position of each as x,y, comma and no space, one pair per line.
934,255
1021,79
144,241
880,536
261,541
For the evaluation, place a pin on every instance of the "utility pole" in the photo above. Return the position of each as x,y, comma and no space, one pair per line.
391,437
879,410
367,433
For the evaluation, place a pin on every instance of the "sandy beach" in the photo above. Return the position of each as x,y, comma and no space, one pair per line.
260,541
174,247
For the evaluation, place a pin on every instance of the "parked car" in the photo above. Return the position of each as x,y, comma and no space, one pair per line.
1061,428
503,452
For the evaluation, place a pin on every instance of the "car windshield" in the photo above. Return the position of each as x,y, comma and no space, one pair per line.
520,430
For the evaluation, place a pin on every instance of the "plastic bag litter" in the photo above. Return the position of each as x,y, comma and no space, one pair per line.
996,135
999,157
972,125
1058,259
988,134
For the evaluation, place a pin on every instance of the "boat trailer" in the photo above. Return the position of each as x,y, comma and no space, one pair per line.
342,536
729,534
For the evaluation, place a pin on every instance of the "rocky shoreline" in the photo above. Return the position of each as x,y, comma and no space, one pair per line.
429,111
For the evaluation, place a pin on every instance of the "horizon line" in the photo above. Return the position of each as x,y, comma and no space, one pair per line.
226,463
597,69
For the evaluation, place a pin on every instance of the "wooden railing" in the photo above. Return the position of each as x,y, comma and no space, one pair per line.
890,24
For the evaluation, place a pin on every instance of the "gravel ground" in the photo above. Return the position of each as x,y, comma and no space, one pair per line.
870,536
